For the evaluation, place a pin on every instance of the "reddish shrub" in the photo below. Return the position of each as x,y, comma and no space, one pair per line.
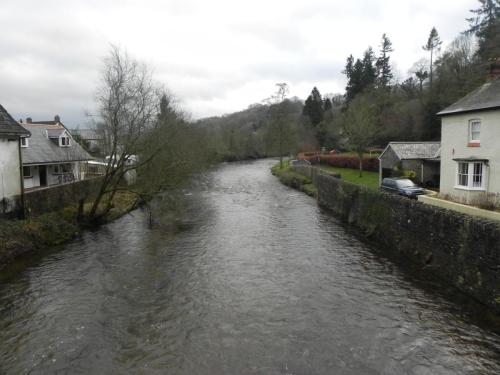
340,160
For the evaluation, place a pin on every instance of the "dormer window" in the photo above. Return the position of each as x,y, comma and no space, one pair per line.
64,141
474,133
24,142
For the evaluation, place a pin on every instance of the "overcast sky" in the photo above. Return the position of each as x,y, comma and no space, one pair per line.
215,56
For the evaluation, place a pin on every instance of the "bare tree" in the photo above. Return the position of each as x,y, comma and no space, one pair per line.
280,132
420,71
128,105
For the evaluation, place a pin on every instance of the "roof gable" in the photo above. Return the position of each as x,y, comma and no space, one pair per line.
9,126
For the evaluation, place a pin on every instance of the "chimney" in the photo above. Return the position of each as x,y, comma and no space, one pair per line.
493,69
20,120
29,120
57,118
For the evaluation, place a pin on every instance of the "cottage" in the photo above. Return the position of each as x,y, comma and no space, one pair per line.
421,157
10,163
470,133
51,156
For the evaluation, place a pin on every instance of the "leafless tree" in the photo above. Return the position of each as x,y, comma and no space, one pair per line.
128,104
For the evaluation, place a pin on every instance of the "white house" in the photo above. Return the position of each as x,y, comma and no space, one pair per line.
51,156
11,183
470,142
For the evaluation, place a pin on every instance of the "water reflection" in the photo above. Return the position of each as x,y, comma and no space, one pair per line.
254,278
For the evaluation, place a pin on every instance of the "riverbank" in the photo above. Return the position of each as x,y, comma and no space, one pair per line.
294,180
460,249
20,238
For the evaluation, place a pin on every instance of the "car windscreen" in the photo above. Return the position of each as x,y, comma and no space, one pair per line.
405,184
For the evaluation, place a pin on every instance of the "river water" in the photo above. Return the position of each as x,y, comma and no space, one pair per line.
253,278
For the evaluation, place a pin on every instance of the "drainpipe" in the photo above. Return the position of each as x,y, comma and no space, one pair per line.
379,172
23,209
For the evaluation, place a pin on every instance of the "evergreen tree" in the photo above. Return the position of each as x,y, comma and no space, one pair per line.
369,73
327,105
433,44
384,71
485,24
313,107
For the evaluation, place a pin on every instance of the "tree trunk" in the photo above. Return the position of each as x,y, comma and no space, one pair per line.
360,156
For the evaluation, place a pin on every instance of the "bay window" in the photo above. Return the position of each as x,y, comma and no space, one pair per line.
471,175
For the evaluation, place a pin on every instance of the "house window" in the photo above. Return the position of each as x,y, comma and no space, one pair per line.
27,172
24,142
471,175
463,174
66,168
474,131
62,168
64,142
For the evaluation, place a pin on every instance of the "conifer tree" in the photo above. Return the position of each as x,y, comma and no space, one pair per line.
433,44
485,24
327,105
384,71
369,70
313,107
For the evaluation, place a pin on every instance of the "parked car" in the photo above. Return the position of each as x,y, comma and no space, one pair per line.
401,186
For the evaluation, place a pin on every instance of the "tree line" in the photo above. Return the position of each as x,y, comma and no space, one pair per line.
375,108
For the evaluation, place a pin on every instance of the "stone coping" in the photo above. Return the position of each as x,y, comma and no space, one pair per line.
462,208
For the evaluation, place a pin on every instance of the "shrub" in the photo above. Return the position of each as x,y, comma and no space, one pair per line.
341,160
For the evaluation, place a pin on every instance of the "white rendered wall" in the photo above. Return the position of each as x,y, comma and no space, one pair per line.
454,145
10,179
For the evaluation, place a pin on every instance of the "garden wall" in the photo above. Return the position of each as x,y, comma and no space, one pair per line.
57,197
461,249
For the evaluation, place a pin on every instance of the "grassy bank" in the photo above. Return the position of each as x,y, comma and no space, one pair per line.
22,237
294,180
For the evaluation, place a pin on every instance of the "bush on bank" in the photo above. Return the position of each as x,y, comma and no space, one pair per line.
294,180
21,237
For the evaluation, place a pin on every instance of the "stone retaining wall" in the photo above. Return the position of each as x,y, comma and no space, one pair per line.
461,249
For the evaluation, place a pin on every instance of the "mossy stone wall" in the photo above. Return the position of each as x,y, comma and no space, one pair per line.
461,249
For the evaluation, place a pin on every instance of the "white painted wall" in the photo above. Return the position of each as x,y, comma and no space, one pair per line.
454,144
10,179
31,182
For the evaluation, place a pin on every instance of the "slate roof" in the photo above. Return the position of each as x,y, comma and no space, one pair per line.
87,134
415,150
486,97
42,150
9,126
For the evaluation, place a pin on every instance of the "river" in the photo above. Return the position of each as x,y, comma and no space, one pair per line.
253,278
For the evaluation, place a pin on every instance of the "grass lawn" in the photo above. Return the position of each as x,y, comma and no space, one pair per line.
369,179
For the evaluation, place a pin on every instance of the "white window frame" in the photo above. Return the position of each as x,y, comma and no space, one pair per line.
472,138
64,141
24,142
471,176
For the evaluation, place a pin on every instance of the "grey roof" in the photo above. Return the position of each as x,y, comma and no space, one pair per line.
415,150
42,150
9,126
87,134
486,97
